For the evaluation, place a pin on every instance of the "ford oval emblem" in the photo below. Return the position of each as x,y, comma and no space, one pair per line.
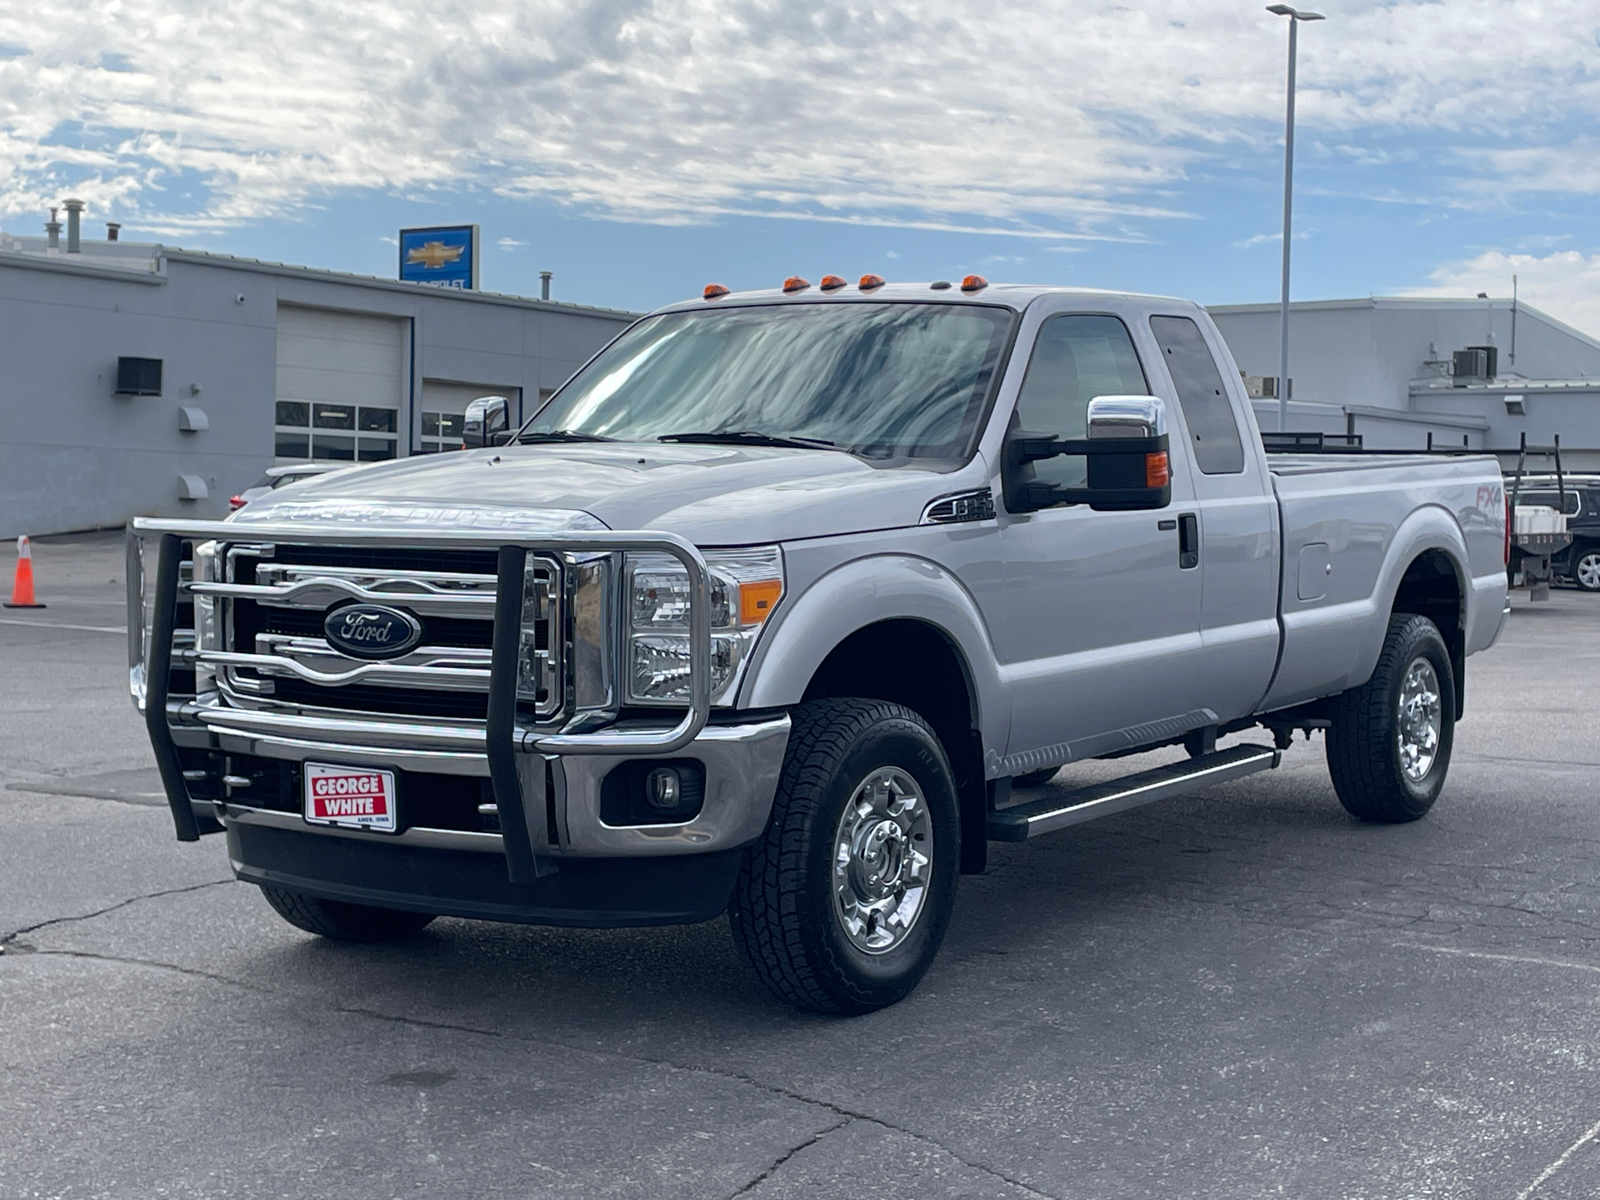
371,631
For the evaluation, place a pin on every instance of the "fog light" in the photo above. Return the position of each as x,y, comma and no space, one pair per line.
662,788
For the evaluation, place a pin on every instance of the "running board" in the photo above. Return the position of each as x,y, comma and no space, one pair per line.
1046,815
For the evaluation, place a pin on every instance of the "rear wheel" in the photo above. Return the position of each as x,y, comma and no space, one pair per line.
843,903
1389,745
1586,568
341,921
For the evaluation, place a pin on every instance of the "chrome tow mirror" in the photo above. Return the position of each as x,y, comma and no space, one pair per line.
487,417
1127,451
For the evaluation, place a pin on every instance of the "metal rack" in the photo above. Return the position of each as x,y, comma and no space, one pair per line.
1531,553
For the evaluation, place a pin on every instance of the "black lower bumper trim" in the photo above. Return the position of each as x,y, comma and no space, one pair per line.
588,892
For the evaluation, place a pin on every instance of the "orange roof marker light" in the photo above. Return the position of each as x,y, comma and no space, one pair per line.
868,282
974,283
832,283
715,291
795,284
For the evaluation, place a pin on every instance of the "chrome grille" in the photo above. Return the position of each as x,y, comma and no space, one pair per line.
276,657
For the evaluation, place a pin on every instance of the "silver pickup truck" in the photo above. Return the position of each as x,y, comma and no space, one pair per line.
785,606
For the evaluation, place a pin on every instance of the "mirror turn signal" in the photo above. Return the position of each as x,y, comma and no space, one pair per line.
1157,469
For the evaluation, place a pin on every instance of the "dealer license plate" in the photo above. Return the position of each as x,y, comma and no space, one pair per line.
350,797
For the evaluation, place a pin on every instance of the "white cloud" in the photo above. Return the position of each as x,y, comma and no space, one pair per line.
1565,284
509,244
1043,120
1263,239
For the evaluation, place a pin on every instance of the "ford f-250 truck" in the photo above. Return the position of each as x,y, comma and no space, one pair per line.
769,608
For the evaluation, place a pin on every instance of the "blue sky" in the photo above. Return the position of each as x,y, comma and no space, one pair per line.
640,149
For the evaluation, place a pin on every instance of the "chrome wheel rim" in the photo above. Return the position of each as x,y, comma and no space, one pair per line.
1589,571
882,860
1420,720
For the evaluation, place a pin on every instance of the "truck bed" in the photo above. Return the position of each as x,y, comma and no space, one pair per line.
1341,517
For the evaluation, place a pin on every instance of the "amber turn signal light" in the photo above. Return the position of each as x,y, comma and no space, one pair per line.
795,284
974,283
868,282
1157,470
832,283
756,600
715,291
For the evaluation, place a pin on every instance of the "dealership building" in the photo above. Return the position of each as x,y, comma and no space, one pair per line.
1480,373
141,379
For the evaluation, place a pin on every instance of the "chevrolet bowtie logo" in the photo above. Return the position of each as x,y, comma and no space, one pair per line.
433,255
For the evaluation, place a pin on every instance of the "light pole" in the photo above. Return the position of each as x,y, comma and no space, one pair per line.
1295,17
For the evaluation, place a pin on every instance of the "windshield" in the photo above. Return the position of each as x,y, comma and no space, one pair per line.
880,380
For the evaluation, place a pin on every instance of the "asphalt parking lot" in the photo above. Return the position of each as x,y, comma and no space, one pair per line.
1240,994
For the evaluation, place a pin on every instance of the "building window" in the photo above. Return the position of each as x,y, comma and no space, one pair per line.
442,431
335,432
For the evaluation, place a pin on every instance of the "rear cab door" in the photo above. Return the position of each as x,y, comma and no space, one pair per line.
1234,503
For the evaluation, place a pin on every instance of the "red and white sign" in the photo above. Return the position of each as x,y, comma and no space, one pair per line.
355,797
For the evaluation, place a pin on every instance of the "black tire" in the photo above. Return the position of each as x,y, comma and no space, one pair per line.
1034,778
784,914
1364,752
341,921
1584,564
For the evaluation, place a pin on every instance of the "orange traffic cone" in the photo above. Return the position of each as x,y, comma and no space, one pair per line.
22,589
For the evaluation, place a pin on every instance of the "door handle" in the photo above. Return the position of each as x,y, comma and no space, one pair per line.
1188,541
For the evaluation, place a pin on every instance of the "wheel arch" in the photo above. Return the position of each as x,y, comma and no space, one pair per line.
902,629
1434,585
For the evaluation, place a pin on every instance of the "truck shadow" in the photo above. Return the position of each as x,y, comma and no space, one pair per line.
1254,850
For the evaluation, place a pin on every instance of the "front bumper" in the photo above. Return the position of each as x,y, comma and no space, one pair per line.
560,794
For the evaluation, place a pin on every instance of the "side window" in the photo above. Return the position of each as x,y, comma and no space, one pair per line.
1076,358
1552,500
1206,409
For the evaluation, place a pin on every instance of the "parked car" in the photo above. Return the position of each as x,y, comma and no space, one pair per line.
277,477
1580,562
764,611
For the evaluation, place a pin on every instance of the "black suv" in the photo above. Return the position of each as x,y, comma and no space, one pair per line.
1580,563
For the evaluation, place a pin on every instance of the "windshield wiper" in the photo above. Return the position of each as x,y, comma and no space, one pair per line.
562,435
750,437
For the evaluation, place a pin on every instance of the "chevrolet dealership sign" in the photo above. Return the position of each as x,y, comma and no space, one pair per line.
445,256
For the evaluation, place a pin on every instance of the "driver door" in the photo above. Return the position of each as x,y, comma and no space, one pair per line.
1098,624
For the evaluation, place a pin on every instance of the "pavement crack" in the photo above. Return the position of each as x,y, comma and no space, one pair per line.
788,1154
8,938
845,1115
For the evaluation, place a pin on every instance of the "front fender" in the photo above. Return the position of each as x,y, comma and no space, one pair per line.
864,592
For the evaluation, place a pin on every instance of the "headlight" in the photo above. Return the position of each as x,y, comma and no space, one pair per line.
744,586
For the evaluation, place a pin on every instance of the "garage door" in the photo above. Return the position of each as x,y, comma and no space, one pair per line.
444,407
339,385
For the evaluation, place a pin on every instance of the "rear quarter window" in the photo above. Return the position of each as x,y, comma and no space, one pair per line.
1207,411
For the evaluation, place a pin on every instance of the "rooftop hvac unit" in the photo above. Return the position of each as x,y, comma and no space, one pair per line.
1475,362
1263,387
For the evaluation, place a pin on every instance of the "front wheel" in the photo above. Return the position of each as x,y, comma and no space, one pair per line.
1390,741
341,921
843,903
1586,568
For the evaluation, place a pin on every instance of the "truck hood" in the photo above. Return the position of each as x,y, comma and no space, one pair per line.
712,495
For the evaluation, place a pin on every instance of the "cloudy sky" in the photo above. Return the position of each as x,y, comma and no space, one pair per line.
639,148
